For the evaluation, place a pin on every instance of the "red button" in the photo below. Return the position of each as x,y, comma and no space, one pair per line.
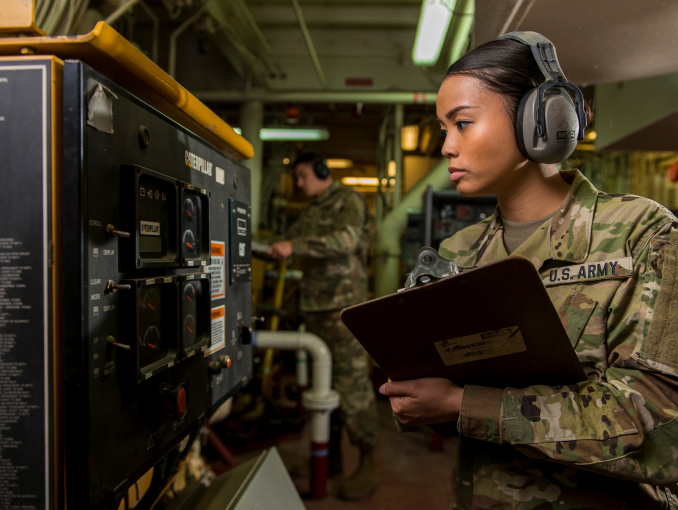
181,402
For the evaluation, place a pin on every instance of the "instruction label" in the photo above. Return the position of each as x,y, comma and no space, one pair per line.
216,269
218,330
489,344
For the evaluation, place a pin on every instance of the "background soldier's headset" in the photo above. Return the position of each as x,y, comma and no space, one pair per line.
319,165
548,126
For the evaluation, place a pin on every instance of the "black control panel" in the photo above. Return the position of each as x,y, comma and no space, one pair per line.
157,268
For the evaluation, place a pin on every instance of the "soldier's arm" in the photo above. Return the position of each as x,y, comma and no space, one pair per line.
622,423
345,237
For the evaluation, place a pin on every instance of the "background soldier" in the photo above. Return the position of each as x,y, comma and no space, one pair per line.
332,238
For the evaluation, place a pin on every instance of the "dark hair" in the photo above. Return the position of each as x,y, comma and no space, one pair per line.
506,67
308,157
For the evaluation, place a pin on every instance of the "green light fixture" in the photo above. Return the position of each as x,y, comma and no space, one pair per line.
434,22
296,134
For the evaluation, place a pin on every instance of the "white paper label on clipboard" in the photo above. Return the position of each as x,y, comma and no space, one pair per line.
481,346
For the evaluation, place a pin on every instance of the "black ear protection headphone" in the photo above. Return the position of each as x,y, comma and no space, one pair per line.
319,165
548,126
320,168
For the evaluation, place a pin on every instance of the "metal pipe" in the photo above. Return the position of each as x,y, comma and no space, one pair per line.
309,45
320,400
175,35
315,96
387,243
462,23
398,120
120,11
156,30
510,18
269,57
251,121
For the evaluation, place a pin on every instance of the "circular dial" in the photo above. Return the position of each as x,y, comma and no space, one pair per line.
152,347
190,307
191,246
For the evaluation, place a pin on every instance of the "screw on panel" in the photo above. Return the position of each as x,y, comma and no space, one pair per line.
222,207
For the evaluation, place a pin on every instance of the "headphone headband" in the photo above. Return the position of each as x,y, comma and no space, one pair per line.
545,55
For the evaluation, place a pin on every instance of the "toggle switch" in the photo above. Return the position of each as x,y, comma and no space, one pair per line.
111,340
112,231
225,361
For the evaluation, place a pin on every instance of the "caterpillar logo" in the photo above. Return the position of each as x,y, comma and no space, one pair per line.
565,135
149,228
198,163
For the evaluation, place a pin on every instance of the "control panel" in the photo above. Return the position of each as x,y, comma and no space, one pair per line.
157,269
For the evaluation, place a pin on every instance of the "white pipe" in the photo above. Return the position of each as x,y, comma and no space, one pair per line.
320,399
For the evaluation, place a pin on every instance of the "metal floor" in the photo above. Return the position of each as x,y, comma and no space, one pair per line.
413,476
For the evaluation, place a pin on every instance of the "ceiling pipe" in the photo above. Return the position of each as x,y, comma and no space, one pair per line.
315,96
172,67
269,56
309,45
156,30
120,11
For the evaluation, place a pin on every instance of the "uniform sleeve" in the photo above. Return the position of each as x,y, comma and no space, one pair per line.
345,237
622,421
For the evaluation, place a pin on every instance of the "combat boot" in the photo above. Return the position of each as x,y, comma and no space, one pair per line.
364,480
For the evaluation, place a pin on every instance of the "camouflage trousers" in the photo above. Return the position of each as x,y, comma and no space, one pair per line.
350,377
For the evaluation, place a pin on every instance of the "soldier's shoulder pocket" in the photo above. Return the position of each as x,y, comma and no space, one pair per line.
661,299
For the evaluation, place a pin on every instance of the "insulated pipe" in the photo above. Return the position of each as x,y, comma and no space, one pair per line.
320,400
387,247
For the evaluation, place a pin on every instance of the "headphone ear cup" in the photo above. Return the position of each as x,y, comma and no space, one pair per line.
562,125
321,170
525,121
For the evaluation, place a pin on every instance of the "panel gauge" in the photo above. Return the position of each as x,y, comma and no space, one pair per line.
154,325
195,235
195,313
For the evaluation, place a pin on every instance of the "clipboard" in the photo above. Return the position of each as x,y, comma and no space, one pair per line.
490,326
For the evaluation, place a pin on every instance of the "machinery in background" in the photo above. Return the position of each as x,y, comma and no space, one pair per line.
443,213
125,268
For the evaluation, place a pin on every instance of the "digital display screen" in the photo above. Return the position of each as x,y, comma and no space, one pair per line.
149,244
154,199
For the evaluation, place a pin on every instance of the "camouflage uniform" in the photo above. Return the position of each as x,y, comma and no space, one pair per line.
332,237
609,264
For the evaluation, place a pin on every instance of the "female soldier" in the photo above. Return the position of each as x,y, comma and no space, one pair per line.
611,441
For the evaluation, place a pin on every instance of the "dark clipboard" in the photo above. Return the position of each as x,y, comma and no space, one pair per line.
444,328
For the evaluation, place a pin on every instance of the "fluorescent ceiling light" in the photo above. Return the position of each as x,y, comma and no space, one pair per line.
338,163
360,181
293,134
431,31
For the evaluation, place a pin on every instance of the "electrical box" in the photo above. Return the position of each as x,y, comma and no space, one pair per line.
125,284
